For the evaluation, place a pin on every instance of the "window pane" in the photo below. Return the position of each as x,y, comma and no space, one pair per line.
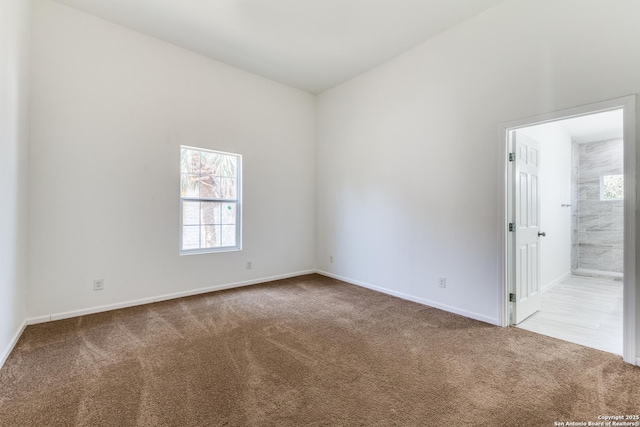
189,161
191,213
228,166
210,187
210,212
228,235
210,236
190,237
210,163
613,187
228,188
190,186
228,213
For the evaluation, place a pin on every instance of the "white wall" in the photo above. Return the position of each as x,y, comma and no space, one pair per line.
555,190
110,108
14,84
410,152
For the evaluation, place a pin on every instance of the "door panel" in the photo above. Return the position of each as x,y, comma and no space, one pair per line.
522,272
523,187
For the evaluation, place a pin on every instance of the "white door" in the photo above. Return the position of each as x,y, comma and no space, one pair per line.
527,227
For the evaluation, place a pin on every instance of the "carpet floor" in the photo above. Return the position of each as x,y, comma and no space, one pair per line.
306,351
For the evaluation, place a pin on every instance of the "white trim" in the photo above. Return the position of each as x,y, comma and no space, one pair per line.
450,309
14,340
631,240
638,361
503,233
40,319
583,110
76,313
133,303
555,281
628,103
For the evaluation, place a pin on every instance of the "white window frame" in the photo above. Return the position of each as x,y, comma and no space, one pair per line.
602,189
237,201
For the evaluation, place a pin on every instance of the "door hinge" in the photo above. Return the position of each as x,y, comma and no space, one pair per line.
512,227
512,157
512,297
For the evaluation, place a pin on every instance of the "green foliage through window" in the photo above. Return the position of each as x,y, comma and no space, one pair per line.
613,187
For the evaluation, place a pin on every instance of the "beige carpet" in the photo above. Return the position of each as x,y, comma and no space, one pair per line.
307,351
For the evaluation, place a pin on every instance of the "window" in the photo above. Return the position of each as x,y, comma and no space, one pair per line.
209,201
612,187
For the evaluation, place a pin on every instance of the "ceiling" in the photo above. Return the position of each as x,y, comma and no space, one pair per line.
595,127
309,44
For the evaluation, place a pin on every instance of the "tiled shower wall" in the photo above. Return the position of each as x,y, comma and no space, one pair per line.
597,235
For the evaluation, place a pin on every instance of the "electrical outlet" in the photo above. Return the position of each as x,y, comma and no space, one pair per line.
442,282
249,265
98,284
330,259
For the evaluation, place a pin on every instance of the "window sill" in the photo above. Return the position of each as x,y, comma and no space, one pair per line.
210,251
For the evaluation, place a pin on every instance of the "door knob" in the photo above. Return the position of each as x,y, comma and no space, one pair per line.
542,233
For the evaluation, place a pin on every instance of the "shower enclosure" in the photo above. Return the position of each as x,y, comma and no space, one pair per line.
597,208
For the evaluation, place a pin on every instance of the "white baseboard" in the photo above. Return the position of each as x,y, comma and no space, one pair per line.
109,307
14,340
445,307
555,281
40,319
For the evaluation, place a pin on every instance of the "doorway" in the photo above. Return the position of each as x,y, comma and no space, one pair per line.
563,237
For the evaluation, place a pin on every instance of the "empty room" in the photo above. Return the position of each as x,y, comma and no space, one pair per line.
323,213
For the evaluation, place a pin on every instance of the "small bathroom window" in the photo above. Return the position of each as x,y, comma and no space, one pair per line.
612,187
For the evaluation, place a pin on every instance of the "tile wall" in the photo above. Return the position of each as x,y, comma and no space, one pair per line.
597,235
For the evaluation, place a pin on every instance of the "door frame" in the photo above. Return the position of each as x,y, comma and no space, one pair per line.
628,105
